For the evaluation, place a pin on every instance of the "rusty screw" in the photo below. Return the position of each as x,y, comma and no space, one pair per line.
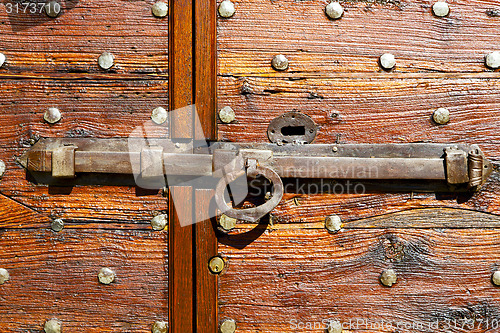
333,223
334,10
387,61
106,275
226,9
2,59
441,116
495,278
52,115
52,8
159,327
216,265
227,326
57,225
279,62
334,326
160,9
52,326
388,277
441,9
159,222
159,115
226,115
106,60
4,275
493,60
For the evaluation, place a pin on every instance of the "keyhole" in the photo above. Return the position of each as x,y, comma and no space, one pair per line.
293,130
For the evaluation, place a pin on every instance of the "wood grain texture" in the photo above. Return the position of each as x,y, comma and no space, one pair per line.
54,275
287,277
36,44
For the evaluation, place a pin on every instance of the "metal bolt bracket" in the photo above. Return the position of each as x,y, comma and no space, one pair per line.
159,115
441,116
160,9
106,60
334,10
159,222
388,277
492,60
159,327
279,62
227,326
495,278
216,265
333,223
2,59
226,115
441,9
226,9
52,8
227,223
52,115
57,225
4,275
387,61
106,275
52,326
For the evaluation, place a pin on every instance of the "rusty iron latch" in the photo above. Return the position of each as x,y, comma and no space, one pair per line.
461,167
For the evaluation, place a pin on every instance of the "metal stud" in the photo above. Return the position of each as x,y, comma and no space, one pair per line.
441,9
2,168
279,62
388,277
52,8
441,116
52,115
159,327
52,326
227,223
2,59
216,265
57,225
226,115
334,10
227,326
159,115
106,60
4,275
226,9
159,222
387,61
334,326
493,60
495,278
333,223
106,275
160,9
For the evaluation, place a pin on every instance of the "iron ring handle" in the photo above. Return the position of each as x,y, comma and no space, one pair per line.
255,213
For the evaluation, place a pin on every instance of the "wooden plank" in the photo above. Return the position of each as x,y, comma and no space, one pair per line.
71,43
314,43
206,248
286,277
54,275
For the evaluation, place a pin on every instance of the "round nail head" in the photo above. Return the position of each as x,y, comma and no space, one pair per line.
4,275
334,10
106,275
227,326
493,60
216,265
106,60
441,9
333,223
160,9
388,277
52,8
57,225
3,167
334,327
2,59
496,278
52,326
279,62
227,223
387,61
159,222
441,116
226,9
227,115
159,327
52,115
159,115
